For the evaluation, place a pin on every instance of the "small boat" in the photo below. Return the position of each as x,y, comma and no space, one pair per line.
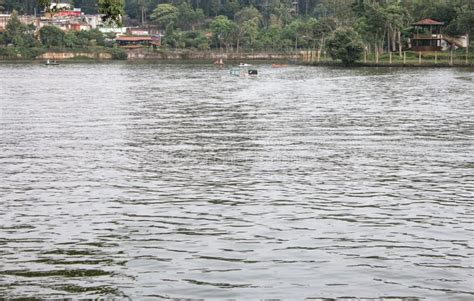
244,72
51,63
244,65
252,72
279,65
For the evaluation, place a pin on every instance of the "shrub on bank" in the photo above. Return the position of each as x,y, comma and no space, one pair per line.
20,53
118,53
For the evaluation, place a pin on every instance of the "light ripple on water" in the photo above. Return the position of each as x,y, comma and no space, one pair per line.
177,180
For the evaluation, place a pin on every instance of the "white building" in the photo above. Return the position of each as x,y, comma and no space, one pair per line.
59,5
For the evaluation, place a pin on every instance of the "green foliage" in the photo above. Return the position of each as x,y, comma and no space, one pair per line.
221,28
45,4
194,39
20,53
95,37
187,17
112,11
345,45
165,14
464,22
118,53
51,36
170,36
19,34
70,39
278,25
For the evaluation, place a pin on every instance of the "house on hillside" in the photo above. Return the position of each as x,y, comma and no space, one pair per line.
4,18
427,36
127,41
69,18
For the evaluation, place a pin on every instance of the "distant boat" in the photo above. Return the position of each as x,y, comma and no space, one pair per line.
219,62
244,65
51,63
279,65
243,72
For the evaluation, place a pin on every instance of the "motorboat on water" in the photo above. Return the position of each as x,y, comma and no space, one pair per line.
242,71
51,63
244,65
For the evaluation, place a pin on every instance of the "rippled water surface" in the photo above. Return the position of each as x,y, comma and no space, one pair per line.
179,181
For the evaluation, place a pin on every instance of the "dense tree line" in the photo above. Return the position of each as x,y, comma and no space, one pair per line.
283,24
277,25
383,14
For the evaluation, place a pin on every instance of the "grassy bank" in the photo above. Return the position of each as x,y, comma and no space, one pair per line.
407,59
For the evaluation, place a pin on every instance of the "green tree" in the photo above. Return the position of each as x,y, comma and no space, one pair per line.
187,17
113,10
83,39
46,4
70,39
222,28
51,36
230,8
19,34
165,14
285,13
465,22
246,27
170,37
345,45
372,25
96,37
271,38
294,33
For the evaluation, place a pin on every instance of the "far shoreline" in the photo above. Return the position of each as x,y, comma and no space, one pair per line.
230,59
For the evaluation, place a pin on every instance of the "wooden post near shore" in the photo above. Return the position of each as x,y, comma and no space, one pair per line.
390,57
419,57
404,57
467,52
365,56
377,57
451,58
319,55
436,57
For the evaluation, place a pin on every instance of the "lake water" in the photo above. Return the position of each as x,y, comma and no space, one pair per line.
155,181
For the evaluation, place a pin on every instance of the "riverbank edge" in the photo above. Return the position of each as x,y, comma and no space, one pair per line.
388,65
210,56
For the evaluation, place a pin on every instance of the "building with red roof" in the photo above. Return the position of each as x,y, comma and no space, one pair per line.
138,41
427,35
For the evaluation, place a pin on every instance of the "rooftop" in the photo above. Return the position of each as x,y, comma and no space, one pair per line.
134,38
428,22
